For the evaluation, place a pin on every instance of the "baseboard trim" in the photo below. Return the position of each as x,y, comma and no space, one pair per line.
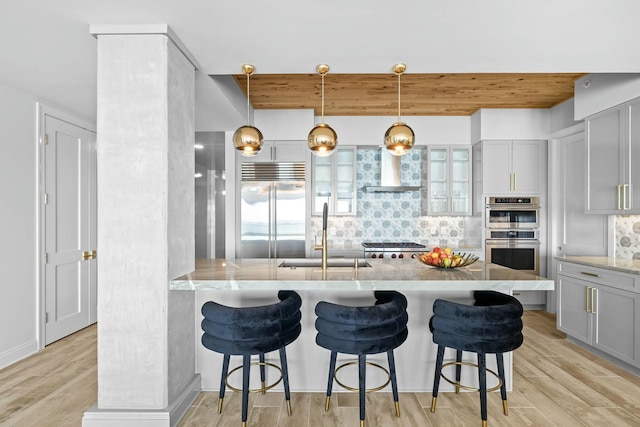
97,417
609,358
18,353
179,407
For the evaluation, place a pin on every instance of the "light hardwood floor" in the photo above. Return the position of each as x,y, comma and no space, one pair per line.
556,384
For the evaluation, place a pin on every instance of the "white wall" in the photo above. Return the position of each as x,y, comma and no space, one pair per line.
561,116
18,226
513,123
597,92
370,130
284,125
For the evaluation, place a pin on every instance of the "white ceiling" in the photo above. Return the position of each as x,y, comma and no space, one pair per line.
46,48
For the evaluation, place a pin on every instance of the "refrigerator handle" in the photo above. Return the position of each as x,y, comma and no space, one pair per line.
273,229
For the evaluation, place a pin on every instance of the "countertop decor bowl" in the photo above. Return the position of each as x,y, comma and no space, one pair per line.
462,260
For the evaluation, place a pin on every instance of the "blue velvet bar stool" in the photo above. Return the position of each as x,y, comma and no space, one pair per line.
248,331
492,325
361,331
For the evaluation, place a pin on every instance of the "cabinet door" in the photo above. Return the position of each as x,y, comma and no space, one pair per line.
528,166
570,202
604,153
438,180
496,167
460,180
279,151
616,327
633,162
334,182
289,151
573,317
322,183
345,176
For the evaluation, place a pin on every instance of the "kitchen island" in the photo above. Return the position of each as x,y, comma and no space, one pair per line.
382,274
249,282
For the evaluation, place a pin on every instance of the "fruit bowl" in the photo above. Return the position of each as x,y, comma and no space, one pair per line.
445,258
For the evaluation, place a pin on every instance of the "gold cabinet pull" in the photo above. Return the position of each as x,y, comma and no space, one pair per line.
625,190
586,273
586,299
86,255
94,254
594,295
515,183
619,186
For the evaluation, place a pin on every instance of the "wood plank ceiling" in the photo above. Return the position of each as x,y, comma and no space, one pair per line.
421,94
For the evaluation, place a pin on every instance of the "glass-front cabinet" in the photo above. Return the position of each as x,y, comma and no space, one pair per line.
334,182
449,180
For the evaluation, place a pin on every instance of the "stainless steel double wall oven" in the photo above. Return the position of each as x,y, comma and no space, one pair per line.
512,227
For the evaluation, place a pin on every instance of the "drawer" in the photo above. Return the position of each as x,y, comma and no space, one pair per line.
602,276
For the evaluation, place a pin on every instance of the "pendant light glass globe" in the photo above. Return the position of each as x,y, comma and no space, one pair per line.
399,138
248,139
322,139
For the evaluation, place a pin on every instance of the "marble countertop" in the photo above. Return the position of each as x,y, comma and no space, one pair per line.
383,274
617,264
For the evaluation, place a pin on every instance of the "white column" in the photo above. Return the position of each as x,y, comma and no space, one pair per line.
146,99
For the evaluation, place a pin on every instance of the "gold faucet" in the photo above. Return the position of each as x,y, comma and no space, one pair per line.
323,246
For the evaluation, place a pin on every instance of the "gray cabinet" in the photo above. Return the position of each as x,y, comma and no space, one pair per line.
279,151
513,167
613,159
599,307
334,182
449,180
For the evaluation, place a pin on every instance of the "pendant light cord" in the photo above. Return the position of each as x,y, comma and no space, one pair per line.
399,97
248,116
322,98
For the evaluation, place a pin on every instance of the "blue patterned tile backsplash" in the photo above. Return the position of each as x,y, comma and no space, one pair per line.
627,236
390,217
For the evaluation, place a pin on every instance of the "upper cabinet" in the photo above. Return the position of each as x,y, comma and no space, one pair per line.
513,167
613,160
334,182
279,151
449,180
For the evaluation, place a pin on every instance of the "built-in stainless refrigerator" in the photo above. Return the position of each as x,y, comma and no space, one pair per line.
272,210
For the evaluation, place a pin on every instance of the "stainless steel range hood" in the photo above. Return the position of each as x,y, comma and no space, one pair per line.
390,176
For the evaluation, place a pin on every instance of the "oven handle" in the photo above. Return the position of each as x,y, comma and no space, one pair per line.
512,243
513,207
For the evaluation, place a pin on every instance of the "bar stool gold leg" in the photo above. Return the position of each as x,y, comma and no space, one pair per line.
220,405
361,423
289,407
326,403
433,404
484,423
505,407
397,409
264,390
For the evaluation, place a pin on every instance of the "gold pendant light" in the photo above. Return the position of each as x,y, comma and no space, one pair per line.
322,139
248,139
399,138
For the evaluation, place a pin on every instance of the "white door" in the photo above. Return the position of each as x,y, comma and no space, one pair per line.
69,228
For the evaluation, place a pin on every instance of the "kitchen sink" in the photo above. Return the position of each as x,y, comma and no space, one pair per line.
317,262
